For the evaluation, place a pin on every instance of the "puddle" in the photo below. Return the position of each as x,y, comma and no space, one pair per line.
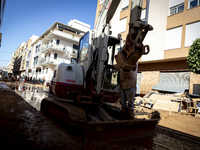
32,94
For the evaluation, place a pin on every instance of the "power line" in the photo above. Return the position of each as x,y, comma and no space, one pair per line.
6,52
4,60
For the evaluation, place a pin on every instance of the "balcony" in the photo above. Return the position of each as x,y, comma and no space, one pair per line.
54,47
52,61
69,36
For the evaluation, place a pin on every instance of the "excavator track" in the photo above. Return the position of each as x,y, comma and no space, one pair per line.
98,123
70,115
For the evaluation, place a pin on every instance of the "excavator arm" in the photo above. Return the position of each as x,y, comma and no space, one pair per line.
137,29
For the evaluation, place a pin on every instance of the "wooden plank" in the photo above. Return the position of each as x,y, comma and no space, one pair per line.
161,97
168,106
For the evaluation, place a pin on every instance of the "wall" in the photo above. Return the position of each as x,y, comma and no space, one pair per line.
182,19
194,79
156,38
149,79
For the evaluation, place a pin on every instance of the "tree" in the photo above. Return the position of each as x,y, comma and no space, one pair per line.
193,58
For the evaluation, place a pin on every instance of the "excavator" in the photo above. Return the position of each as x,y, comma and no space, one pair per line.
87,90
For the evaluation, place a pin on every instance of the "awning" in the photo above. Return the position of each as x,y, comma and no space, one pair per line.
176,82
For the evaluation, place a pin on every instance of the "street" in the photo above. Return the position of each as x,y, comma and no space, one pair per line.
23,126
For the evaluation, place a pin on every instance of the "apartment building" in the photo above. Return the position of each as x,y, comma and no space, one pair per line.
17,60
9,67
176,24
24,53
57,44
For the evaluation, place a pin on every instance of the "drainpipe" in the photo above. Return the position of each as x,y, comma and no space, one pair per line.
147,12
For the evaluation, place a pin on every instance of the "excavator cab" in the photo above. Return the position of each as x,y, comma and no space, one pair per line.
111,81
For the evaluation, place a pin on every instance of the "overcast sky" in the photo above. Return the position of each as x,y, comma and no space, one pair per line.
23,18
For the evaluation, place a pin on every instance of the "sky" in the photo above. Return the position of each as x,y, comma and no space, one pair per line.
24,18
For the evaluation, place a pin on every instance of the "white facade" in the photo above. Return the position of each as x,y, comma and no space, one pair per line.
156,39
79,25
56,45
157,18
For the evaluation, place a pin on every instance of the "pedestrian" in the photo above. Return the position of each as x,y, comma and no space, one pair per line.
34,80
127,85
43,80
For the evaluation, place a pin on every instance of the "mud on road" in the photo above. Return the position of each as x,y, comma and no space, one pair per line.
22,126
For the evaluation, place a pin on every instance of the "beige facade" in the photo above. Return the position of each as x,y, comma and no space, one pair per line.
166,56
17,61
25,51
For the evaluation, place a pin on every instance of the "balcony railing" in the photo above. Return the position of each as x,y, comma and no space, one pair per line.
60,47
51,60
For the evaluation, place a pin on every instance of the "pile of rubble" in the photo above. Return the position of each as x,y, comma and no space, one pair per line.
169,102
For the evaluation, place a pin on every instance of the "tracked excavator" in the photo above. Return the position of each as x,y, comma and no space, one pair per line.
87,90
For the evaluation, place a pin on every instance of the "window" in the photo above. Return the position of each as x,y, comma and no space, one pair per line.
54,74
75,48
124,4
38,48
177,9
122,25
27,64
83,47
57,42
173,38
55,56
143,15
35,61
29,54
46,70
73,60
192,32
193,3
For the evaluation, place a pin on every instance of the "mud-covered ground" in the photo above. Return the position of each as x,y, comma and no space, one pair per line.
22,126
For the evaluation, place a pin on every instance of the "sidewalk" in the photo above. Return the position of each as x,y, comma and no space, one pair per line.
23,127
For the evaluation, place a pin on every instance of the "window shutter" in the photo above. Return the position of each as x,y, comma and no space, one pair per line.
175,2
124,4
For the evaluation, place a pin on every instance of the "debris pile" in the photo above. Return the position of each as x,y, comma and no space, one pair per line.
169,102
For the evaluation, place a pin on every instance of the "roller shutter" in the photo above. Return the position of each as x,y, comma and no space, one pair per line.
173,82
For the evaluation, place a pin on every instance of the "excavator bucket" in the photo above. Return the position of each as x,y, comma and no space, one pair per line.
120,130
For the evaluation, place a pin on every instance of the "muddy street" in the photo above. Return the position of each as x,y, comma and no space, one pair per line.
23,126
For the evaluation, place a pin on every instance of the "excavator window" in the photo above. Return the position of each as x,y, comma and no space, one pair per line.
112,74
83,48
